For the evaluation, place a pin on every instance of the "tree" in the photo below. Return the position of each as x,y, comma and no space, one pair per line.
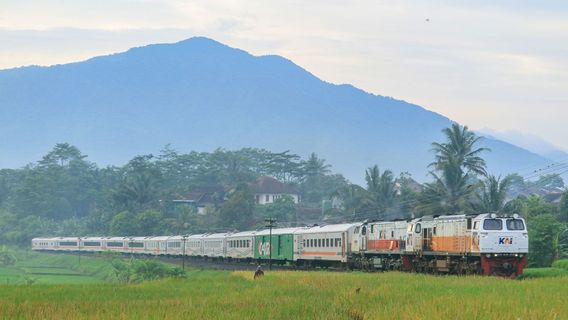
493,193
380,188
543,234
563,207
237,211
351,199
282,209
456,167
124,224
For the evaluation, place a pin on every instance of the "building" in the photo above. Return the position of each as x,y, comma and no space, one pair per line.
202,197
267,189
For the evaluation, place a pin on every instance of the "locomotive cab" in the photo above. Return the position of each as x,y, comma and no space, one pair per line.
503,243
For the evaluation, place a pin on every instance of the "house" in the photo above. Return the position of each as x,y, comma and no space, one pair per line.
202,197
267,189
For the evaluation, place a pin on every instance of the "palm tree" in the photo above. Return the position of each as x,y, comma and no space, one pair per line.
493,193
455,171
381,188
460,150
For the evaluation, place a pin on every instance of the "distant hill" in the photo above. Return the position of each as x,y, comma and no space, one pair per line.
199,94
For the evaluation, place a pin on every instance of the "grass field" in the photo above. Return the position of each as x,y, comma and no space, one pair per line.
44,268
293,295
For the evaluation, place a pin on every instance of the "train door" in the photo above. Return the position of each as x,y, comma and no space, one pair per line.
426,239
355,240
363,242
417,237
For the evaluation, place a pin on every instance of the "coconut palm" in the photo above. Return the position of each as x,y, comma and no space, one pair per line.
457,165
381,188
493,193
460,151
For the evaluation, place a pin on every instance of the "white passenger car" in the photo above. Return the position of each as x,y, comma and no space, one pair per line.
156,245
91,244
330,243
114,244
214,245
43,244
194,245
174,246
241,245
67,243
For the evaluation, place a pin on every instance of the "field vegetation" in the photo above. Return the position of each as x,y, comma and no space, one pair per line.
292,295
26,267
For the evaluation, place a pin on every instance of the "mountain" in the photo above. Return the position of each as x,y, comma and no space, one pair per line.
199,94
530,142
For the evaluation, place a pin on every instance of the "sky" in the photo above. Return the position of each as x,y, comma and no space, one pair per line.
496,66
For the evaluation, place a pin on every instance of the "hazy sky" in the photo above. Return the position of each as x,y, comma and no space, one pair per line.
488,64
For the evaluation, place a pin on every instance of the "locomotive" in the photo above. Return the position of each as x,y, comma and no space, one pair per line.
487,244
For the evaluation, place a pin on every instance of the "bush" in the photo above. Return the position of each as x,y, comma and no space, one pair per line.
135,271
7,258
561,264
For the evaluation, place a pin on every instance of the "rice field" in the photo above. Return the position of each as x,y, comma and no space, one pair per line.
46,268
293,295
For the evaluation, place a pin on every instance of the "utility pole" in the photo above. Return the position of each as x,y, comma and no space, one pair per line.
270,224
183,259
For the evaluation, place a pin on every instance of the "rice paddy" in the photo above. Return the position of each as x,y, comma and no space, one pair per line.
292,295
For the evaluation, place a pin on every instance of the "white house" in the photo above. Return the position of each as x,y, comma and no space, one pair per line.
267,189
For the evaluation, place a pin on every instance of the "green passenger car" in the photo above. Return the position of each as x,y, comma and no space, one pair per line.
282,244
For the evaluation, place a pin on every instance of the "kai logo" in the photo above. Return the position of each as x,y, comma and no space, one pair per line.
505,240
264,248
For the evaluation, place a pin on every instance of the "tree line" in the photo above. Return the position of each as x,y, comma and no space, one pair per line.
66,194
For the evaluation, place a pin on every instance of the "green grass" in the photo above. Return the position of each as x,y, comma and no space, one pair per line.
293,295
51,268
544,273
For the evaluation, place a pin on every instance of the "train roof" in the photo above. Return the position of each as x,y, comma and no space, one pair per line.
215,235
329,228
279,231
242,234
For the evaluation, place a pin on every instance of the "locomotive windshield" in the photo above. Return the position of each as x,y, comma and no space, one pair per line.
493,224
515,224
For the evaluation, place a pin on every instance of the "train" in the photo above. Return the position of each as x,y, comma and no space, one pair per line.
485,244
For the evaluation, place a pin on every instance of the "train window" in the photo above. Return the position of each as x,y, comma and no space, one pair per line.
493,224
356,230
91,244
475,225
68,244
515,224
311,242
364,231
372,229
434,230
114,244
327,242
392,233
418,228
319,243
136,244
469,224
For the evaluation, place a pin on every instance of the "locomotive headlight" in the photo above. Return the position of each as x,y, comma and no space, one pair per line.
493,216
516,216
488,255
525,235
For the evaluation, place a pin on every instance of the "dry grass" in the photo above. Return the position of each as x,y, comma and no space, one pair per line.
293,295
